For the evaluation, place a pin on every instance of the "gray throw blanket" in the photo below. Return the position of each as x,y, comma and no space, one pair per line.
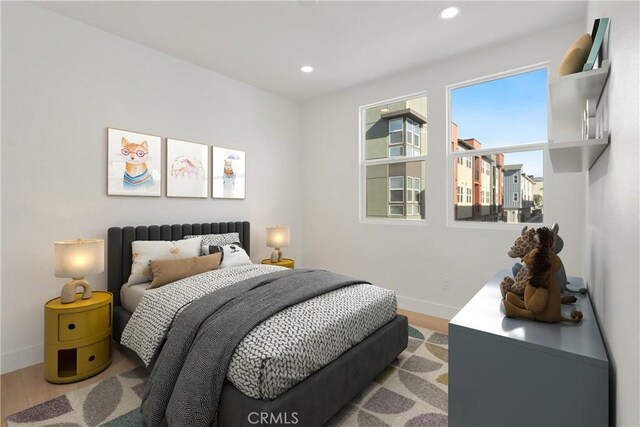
186,381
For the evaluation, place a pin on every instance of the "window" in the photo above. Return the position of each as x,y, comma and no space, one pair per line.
394,149
396,189
501,122
395,131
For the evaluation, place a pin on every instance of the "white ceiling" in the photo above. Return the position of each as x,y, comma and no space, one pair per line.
264,43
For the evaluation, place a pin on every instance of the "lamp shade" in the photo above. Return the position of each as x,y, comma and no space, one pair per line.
78,258
278,236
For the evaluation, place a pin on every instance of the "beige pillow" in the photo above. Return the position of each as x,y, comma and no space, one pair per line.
576,56
168,271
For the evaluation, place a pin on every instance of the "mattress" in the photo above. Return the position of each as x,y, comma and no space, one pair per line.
286,348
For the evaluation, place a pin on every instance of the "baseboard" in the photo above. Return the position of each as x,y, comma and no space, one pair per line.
427,307
22,358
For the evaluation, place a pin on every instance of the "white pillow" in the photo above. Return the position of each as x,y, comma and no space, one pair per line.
145,251
218,239
234,255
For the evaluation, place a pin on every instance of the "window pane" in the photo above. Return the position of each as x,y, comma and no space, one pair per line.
396,210
386,186
395,138
395,124
396,151
510,190
502,112
396,182
382,128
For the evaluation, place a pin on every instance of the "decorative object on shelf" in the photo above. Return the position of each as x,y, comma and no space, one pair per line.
277,238
77,259
576,56
187,169
228,174
600,27
134,164
542,298
568,150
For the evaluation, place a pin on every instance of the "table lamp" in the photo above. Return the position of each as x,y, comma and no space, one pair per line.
77,259
277,237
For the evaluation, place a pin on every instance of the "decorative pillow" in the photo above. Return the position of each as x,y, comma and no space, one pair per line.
218,239
168,271
147,250
233,256
212,249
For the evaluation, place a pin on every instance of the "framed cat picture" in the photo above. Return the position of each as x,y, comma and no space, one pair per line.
227,173
187,169
134,165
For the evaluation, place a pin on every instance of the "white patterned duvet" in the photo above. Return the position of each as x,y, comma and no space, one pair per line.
284,349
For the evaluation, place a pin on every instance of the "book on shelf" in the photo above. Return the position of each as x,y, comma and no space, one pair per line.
600,27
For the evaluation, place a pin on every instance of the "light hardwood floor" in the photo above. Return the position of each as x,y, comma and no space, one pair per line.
27,387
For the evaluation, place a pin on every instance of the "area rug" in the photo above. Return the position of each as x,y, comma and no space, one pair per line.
412,392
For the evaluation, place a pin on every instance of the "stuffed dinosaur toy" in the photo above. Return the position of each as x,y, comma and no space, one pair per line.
525,243
542,298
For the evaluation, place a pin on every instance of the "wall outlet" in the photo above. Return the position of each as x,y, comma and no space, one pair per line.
446,284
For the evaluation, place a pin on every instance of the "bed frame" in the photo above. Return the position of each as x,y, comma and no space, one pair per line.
313,401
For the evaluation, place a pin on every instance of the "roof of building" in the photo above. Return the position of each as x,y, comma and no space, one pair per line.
512,167
407,112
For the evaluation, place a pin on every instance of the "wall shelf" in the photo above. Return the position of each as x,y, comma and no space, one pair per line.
568,96
576,156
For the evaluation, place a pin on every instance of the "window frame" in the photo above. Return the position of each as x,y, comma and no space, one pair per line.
362,190
451,155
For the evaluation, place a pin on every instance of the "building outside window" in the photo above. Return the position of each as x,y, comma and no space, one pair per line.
394,149
499,130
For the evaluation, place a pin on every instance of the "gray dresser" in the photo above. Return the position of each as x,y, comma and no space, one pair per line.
512,372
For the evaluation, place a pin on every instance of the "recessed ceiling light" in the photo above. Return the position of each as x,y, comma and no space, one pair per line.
306,68
384,110
449,12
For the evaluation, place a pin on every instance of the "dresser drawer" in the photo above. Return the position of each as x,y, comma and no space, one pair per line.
94,356
84,324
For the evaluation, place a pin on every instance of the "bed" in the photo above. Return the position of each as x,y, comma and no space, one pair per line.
316,398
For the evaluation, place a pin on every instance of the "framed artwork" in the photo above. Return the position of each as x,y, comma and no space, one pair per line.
134,164
187,169
227,173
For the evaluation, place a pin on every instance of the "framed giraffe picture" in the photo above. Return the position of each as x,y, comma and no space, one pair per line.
228,176
134,165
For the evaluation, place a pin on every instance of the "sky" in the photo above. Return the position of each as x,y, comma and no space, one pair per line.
507,111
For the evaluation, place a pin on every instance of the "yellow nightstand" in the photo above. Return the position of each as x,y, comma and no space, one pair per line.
285,262
77,337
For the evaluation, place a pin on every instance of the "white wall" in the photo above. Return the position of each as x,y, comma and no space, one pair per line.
613,250
63,84
413,259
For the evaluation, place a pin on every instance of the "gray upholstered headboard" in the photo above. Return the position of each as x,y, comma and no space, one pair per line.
119,245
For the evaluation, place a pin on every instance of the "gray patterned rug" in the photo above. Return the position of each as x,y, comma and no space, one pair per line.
412,392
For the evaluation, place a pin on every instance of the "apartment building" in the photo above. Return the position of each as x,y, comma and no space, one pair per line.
518,195
477,181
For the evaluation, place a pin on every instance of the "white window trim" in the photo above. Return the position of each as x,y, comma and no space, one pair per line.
534,146
364,163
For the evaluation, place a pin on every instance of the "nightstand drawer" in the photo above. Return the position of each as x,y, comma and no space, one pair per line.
94,356
84,324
